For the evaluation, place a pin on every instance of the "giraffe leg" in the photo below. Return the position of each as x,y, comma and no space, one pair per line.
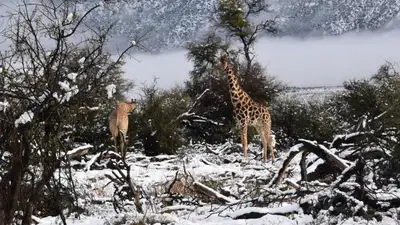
124,146
270,148
115,144
264,141
122,143
243,128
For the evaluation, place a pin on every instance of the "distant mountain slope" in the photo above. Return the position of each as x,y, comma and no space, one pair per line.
174,22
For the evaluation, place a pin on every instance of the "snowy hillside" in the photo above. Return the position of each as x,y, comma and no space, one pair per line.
173,23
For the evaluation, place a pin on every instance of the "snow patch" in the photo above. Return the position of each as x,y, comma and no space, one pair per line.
111,89
4,105
24,118
72,76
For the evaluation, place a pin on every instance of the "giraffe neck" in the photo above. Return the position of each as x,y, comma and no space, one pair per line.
235,90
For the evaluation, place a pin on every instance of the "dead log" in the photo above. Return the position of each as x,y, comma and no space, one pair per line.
36,219
324,153
79,151
256,212
212,193
308,146
347,139
111,155
293,152
174,208
292,184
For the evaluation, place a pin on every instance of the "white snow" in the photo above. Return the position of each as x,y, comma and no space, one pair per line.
91,161
64,85
111,89
3,105
79,148
69,91
69,18
24,118
72,76
277,210
81,60
153,175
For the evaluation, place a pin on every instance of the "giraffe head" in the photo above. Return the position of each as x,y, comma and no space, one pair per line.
224,60
131,105
127,106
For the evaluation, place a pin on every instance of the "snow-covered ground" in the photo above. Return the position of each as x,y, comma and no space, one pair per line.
221,168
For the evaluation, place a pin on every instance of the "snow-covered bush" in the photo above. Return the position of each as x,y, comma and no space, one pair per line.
48,80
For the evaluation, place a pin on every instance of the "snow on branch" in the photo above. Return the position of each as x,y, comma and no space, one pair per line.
189,111
322,152
257,212
24,118
79,151
211,192
292,153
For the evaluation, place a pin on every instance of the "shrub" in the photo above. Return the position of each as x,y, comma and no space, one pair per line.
45,88
371,105
156,123
293,119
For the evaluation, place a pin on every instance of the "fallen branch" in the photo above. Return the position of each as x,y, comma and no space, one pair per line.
338,140
213,193
292,153
132,187
256,212
324,153
91,161
36,219
79,151
307,146
174,208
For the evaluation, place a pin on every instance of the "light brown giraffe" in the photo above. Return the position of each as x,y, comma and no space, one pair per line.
247,112
118,123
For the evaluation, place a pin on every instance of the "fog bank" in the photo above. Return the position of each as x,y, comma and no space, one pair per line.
297,62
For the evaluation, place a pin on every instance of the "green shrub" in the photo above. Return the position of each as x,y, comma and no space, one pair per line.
155,122
293,119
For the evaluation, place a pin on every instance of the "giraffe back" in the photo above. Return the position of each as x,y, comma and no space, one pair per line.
118,119
253,113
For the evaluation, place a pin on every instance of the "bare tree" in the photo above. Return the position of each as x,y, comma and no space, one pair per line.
55,64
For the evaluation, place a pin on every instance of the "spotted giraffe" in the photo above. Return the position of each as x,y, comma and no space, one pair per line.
247,112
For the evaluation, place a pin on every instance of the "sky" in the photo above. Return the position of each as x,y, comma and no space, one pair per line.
308,62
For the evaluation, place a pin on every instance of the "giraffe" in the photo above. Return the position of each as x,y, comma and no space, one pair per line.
118,123
247,112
